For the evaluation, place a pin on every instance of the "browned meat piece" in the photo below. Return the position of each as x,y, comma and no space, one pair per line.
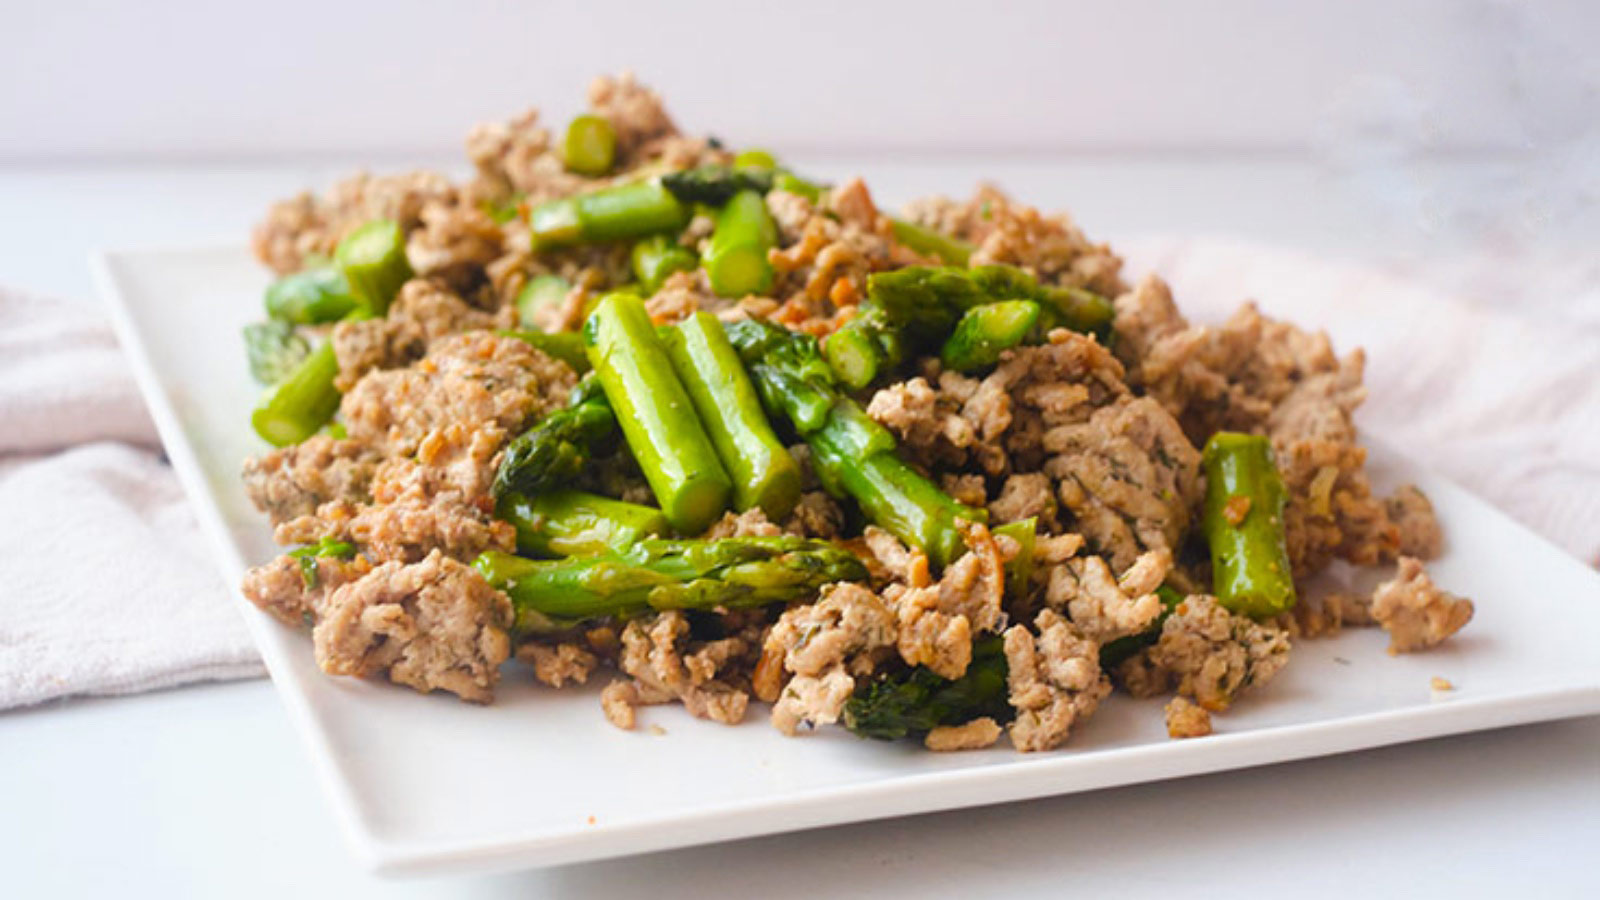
516,157
824,645
974,735
936,622
1101,608
1186,719
431,625
1208,654
437,499
1412,513
635,112
305,226
1051,248
817,515
1314,617
295,480
282,588
826,255
472,380
454,244
1026,495
751,522
1054,679
557,664
423,312
1415,612
708,677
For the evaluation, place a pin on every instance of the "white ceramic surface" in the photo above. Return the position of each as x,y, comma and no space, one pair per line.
539,778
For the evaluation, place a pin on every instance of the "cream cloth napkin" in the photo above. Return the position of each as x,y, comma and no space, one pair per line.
106,588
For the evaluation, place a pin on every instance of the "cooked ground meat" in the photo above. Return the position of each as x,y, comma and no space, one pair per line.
1051,248
750,522
558,664
1054,680
829,252
1415,612
515,156
430,625
1102,609
1314,617
307,226
824,645
1186,719
1208,654
473,380
1412,513
424,311
707,677
295,480
292,594
974,735
937,621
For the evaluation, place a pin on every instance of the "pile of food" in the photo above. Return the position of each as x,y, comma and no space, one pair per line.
631,401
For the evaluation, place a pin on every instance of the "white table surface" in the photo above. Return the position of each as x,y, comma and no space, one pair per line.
204,791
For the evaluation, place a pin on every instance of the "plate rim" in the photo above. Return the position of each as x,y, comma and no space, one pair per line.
885,798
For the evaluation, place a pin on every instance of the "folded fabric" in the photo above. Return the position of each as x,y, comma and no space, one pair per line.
105,587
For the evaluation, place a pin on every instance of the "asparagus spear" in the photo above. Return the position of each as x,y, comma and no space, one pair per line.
715,185
917,307
915,702
590,145
611,213
656,257
1020,569
1242,520
566,346
663,574
986,331
755,158
294,408
274,350
764,474
736,260
574,523
929,242
554,452
373,261
310,297
783,180
657,417
853,455
541,292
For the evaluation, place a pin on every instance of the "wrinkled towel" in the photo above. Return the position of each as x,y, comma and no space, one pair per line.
106,588
105,582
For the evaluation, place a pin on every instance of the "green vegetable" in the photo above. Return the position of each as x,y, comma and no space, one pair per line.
373,261
1019,570
657,417
715,185
764,474
928,242
917,308
554,452
294,408
590,146
1114,652
566,346
794,184
1242,521
503,211
664,574
754,158
274,350
310,553
736,260
541,292
853,456
656,257
310,297
609,214
573,523
913,703
984,332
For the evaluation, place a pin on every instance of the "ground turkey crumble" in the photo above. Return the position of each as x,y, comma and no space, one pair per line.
1054,680
710,678
1415,612
1186,719
824,646
1208,654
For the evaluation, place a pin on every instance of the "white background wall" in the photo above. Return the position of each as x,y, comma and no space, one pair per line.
194,79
